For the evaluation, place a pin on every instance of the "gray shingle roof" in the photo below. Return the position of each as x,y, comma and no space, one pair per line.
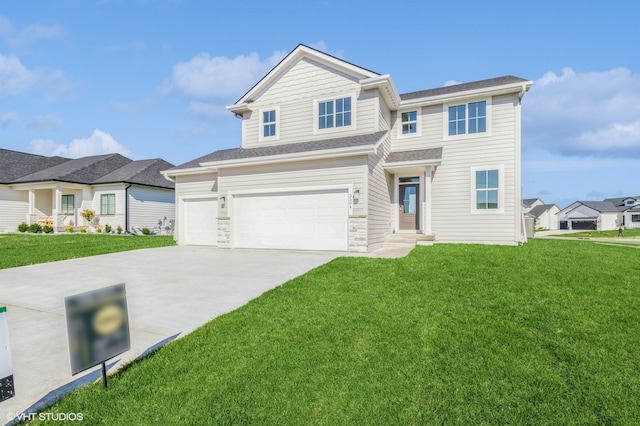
491,82
538,210
109,168
600,206
14,164
619,202
415,155
292,148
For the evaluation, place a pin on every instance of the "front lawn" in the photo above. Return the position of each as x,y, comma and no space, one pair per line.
29,249
628,233
546,333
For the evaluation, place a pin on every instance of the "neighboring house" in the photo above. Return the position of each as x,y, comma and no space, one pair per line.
334,158
546,216
121,191
605,215
530,203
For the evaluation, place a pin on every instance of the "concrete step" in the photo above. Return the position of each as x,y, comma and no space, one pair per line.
407,240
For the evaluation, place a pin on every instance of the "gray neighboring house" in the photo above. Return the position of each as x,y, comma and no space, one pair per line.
122,192
600,215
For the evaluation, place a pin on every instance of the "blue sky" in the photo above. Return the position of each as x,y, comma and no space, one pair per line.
151,78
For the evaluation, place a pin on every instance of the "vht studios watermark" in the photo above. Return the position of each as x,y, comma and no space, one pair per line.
62,417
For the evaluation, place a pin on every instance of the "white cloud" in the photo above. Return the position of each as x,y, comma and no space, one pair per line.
207,78
5,25
7,119
49,122
450,83
98,143
593,113
15,78
34,33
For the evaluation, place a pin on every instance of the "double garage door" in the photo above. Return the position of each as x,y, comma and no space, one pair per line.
309,220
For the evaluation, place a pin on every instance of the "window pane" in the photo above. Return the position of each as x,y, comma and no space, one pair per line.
265,117
452,128
322,108
481,199
347,104
492,199
481,179
482,125
405,117
347,118
473,125
482,109
339,105
460,127
493,179
329,120
339,122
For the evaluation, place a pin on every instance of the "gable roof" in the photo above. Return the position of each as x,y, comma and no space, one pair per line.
619,202
600,206
108,168
414,155
14,164
301,51
527,202
537,211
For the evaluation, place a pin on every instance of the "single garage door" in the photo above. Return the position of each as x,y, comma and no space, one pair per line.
200,221
310,220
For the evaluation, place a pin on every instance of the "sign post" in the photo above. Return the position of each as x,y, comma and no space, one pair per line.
7,389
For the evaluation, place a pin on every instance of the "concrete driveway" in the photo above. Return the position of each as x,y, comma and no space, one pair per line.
170,291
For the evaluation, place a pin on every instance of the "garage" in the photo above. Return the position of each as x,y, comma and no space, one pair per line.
309,220
200,221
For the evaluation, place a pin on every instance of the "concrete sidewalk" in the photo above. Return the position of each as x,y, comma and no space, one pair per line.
170,291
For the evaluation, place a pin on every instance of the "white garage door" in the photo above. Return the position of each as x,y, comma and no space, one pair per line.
300,220
200,221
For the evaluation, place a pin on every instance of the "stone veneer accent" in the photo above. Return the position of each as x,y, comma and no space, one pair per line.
224,232
358,234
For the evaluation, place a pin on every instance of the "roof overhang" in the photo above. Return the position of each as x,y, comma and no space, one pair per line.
50,184
386,87
519,87
298,156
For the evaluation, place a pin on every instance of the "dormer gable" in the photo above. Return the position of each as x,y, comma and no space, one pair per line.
629,202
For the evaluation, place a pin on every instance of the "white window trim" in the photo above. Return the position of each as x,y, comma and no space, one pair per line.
466,135
261,137
316,123
418,123
472,197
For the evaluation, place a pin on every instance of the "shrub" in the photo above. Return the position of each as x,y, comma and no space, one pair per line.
107,228
82,229
145,231
68,229
34,228
119,229
88,215
47,229
98,229
23,227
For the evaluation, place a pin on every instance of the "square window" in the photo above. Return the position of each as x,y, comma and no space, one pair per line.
334,113
468,118
409,122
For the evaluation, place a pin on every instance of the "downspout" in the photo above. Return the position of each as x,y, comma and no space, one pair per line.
126,207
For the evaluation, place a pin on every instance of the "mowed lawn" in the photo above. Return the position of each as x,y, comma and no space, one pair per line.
545,333
29,249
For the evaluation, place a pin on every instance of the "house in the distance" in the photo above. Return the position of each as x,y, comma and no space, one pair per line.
334,158
604,215
122,192
544,215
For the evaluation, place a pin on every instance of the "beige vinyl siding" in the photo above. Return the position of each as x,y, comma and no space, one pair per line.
115,220
148,205
453,194
431,130
295,94
378,198
14,206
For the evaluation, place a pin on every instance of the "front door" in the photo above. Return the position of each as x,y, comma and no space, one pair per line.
409,202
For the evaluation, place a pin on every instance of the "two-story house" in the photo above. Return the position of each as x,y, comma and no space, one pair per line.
334,158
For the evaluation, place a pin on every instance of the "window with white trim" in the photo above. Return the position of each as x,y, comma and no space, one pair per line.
409,123
68,204
269,123
467,119
334,113
108,204
635,218
487,189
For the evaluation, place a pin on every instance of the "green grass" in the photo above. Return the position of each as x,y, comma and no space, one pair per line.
546,333
29,249
628,233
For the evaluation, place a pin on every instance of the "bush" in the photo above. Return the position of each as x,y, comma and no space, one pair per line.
119,229
98,229
107,229
145,231
68,229
82,229
88,215
23,227
34,228
47,229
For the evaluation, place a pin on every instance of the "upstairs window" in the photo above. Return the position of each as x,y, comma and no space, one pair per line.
68,204
108,204
630,203
409,122
269,123
468,118
487,189
334,113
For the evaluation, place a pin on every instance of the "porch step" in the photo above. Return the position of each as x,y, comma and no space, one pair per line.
407,240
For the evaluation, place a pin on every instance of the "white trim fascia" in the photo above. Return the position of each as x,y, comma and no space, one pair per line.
298,156
183,172
52,184
239,108
296,55
459,96
415,163
384,83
